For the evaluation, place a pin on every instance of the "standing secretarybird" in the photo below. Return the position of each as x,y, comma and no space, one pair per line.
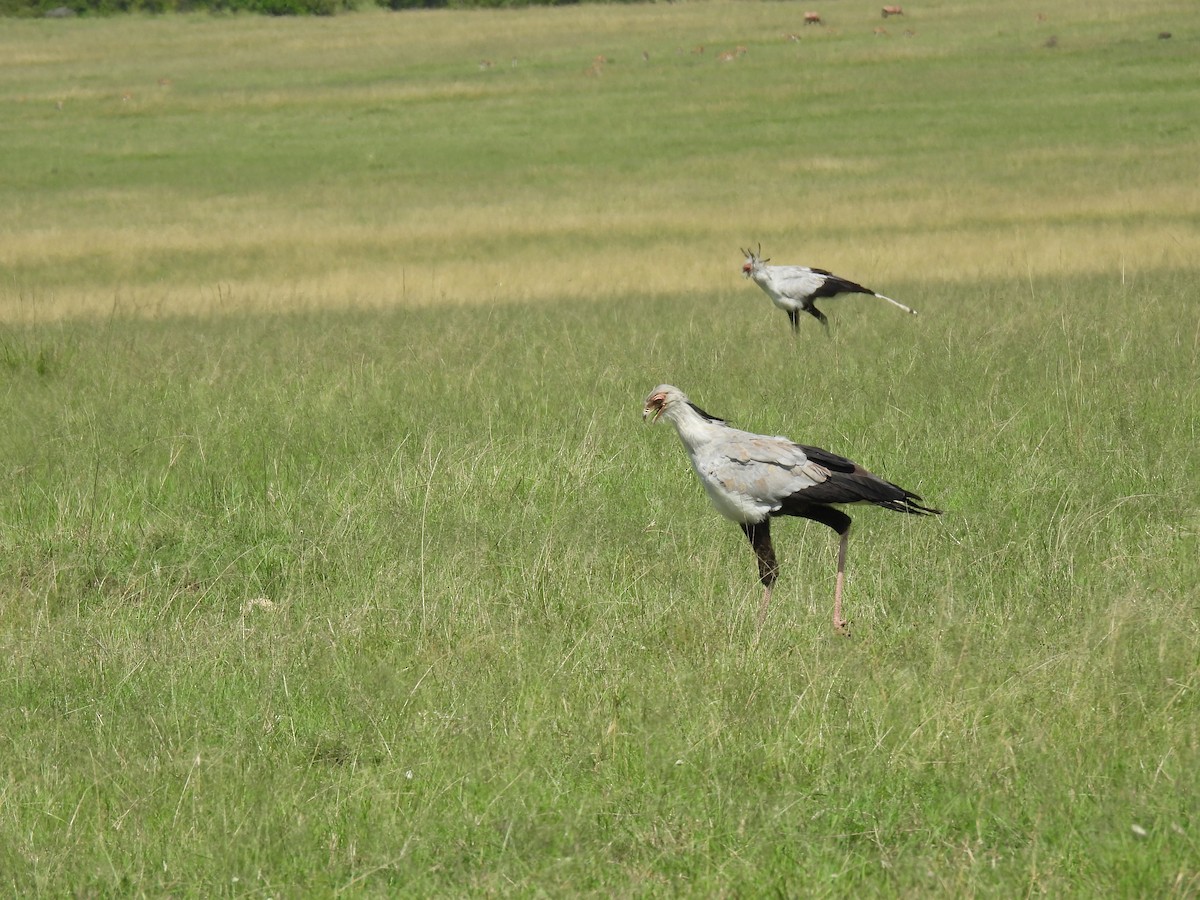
794,289
751,478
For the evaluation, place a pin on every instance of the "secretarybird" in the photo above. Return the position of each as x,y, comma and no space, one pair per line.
751,478
794,289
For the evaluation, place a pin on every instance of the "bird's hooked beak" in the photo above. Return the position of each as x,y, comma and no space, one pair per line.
655,404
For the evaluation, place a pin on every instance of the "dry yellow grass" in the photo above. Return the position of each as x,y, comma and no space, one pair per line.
707,264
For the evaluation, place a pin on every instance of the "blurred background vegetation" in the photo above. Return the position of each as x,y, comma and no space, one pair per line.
60,9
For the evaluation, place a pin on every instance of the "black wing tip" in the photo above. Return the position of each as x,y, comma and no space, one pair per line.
911,503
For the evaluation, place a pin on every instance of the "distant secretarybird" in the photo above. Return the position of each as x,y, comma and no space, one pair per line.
751,478
795,289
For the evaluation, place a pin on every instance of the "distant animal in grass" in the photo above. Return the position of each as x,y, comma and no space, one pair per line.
795,289
892,11
812,18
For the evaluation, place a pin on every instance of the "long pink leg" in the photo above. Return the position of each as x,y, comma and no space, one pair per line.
762,610
840,625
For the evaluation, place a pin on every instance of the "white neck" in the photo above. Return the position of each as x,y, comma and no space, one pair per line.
693,429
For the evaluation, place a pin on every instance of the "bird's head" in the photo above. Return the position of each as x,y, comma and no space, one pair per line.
660,400
753,261
668,400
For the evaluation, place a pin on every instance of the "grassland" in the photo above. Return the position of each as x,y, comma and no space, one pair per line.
368,160
336,558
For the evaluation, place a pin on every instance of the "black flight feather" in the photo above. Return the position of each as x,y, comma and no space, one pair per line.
835,285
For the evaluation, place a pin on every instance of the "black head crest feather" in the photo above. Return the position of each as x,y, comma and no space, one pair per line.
752,255
709,416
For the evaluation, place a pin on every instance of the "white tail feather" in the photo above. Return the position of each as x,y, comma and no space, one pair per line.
907,309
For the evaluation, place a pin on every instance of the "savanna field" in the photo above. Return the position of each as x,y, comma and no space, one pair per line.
336,559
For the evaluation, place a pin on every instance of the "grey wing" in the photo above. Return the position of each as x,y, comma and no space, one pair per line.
763,470
798,281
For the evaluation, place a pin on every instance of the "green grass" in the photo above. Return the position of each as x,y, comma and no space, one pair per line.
486,572
337,559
